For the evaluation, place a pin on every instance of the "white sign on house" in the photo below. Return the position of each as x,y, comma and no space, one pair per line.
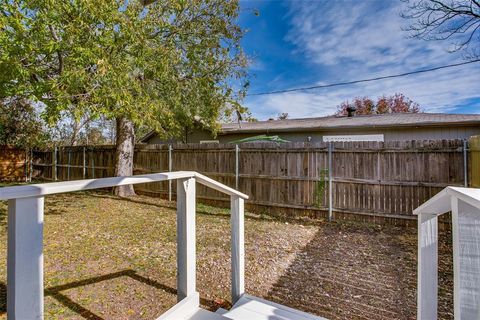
354,137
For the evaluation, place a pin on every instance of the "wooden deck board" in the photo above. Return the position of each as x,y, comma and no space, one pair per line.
249,307
202,314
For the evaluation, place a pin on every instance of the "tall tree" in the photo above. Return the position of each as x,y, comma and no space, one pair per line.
398,103
20,125
447,19
163,65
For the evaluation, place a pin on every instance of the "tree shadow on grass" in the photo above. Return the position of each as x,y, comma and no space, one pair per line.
164,205
3,298
56,292
215,212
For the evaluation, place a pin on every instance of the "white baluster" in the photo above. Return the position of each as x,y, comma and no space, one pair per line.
238,247
427,293
186,259
25,259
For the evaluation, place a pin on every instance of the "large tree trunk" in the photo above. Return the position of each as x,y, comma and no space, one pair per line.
124,154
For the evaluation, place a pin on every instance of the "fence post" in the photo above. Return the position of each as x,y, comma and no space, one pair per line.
330,181
54,164
68,165
26,165
465,163
170,165
31,166
93,164
186,253
237,166
84,169
25,258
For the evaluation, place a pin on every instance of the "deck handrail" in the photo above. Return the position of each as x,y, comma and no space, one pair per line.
206,181
25,236
43,189
464,205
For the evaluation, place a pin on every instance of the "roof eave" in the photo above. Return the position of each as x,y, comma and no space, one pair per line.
350,127
147,136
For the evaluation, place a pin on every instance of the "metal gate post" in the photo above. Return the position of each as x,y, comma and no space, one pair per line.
84,169
237,166
170,165
465,163
330,181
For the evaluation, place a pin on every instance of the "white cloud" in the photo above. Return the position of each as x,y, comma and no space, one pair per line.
441,91
349,40
366,33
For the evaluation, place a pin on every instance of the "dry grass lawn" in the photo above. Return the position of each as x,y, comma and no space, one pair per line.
111,258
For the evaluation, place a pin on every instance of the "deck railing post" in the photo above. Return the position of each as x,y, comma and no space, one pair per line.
25,259
186,252
238,247
456,258
427,289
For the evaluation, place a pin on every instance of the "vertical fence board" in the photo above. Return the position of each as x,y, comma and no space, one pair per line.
380,178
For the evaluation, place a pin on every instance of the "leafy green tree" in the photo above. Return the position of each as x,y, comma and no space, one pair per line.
20,125
162,65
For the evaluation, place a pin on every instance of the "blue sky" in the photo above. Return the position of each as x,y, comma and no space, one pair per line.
302,43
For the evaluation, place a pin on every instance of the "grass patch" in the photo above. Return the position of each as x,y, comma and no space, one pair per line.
112,258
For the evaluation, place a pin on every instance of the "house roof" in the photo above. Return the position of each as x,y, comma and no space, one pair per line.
390,120
146,137
355,122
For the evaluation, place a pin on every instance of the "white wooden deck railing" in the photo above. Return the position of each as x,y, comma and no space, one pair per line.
25,236
464,203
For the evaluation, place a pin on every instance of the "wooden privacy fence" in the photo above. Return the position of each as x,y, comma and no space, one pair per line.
14,164
474,144
384,179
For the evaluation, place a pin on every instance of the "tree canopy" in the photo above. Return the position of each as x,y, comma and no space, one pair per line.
397,103
20,125
163,65
170,65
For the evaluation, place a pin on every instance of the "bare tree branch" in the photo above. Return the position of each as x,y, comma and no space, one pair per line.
458,20
59,54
